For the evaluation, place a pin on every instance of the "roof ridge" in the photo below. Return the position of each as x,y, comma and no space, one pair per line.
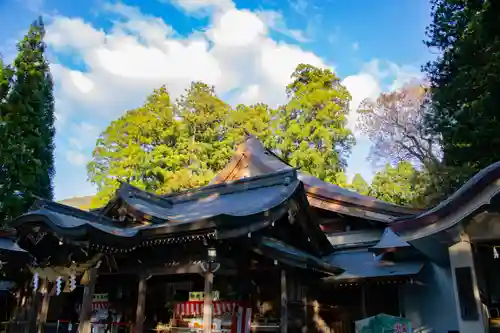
69,210
209,189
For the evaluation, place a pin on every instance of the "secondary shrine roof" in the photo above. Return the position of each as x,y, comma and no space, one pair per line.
252,158
363,264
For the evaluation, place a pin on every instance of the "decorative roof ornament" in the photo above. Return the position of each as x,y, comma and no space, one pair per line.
58,285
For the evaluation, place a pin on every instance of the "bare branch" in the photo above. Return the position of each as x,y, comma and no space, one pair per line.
395,125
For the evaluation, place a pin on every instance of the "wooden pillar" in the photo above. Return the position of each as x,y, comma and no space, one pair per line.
141,305
44,308
33,311
284,303
207,301
20,311
86,312
364,313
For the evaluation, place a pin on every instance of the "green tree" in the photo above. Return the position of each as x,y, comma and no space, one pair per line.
464,84
359,185
206,119
401,185
163,147
27,120
255,120
310,129
140,148
5,82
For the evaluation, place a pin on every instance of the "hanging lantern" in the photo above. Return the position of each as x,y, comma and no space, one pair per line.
35,281
58,285
72,283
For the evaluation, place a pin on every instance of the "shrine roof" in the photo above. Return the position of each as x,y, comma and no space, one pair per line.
389,241
246,204
252,158
9,245
292,256
363,264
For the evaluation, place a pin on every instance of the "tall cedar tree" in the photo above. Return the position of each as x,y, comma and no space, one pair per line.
164,146
465,84
311,130
27,120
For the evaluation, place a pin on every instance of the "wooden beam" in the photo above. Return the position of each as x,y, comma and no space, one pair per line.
171,270
88,293
284,303
141,305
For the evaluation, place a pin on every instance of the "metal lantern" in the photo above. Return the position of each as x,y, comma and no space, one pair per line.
212,254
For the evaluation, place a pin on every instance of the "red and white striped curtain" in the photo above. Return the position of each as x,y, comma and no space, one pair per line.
100,305
241,313
195,308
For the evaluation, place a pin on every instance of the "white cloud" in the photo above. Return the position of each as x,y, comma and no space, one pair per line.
299,6
237,28
85,133
76,157
355,46
141,52
202,6
275,20
75,143
73,32
361,86
81,82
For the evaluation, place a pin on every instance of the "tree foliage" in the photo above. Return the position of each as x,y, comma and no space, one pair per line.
310,129
359,185
27,126
166,146
401,185
464,84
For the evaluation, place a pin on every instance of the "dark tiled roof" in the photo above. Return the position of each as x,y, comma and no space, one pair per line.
252,158
257,200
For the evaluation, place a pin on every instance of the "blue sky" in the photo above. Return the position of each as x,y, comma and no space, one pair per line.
107,56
